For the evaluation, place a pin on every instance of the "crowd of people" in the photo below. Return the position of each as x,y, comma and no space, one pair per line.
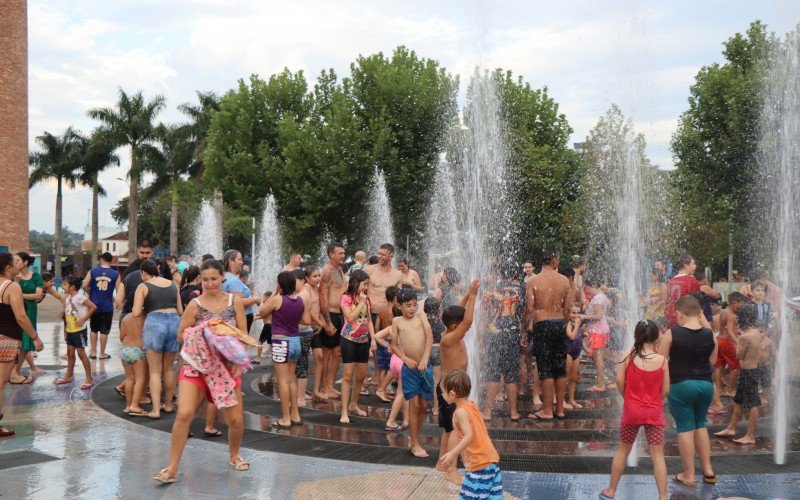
185,335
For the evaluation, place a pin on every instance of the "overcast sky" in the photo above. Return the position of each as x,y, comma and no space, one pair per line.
641,55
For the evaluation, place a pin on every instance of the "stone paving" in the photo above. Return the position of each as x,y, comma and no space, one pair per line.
97,454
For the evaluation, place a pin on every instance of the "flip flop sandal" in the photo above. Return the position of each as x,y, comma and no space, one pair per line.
240,464
296,424
87,386
6,432
143,413
710,479
61,381
162,477
560,417
536,416
92,356
164,409
364,392
216,433
279,425
603,496
105,357
26,380
153,417
682,482
120,392
393,429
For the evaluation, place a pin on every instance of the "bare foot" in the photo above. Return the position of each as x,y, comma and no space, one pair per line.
567,406
725,433
440,467
344,419
608,493
38,371
537,402
745,440
418,452
358,411
301,402
317,396
573,404
727,394
454,477
383,396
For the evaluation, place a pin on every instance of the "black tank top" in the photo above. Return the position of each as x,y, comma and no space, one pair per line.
160,297
8,322
688,354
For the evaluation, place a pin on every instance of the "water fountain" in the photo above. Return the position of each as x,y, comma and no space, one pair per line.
268,247
469,219
207,235
379,215
779,157
322,249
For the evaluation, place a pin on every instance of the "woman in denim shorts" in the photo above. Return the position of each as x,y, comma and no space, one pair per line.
159,299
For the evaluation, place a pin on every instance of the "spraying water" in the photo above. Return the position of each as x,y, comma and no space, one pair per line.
207,236
322,249
379,215
268,247
779,157
469,220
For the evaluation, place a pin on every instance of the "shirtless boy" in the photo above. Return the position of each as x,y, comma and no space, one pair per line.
747,398
458,321
331,288
381,276
728,338
411,342
307,284
547,306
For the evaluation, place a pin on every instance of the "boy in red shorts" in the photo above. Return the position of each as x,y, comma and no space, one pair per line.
726,354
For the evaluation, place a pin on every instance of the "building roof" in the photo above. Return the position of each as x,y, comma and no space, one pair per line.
123,235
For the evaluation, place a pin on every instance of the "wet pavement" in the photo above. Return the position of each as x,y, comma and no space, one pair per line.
72,444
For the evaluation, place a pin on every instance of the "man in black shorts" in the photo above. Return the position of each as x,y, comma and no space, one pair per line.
332,286
100,283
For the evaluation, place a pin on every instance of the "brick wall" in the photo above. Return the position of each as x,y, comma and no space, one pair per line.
14,124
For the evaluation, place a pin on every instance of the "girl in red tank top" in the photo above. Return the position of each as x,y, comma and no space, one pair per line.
643,380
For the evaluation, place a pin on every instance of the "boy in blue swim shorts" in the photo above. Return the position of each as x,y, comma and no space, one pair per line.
411,342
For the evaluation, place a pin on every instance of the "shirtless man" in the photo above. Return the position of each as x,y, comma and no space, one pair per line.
381,276
411,342
295,261
331,288
312,285
547,305
410,278
308,283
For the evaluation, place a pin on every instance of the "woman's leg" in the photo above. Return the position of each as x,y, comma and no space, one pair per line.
282,372
235,422
190,398
361,373
294,411
702,445
349,368
139,383
211,419
686,446
155,361
30,360
169,379
6,367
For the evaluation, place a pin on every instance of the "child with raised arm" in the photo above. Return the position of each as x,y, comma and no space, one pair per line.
458,321
748,351
77,311
483,478
643,381
411,342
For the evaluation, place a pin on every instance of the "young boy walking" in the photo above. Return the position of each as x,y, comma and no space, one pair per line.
77,311
482,479
411,342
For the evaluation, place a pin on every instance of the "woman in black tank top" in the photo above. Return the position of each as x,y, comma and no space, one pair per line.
13,321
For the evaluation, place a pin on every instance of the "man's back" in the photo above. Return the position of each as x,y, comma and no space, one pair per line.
548,293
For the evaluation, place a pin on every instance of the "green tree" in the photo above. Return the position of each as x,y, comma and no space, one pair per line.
200,116
59,159
98,154
130,123
715,148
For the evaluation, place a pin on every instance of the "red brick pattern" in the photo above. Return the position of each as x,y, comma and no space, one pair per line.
14,124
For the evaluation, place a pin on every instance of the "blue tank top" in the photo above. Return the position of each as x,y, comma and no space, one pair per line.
286,319
101,288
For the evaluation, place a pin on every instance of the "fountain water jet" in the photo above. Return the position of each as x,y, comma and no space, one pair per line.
779,157
379,215
207,235
268,247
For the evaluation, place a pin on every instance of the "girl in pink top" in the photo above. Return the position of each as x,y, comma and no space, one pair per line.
643,380
597,329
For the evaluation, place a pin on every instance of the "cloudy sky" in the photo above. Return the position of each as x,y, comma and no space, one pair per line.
641,55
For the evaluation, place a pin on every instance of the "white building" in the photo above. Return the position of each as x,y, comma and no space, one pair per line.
103,232
116,245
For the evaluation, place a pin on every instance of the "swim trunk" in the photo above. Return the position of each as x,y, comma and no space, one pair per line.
301,370
101,322
396,366
417,383
333,341
502,355
764,376
574,347
726,354
548,346
747,390
383,357
485,484
354,352
654,433
160,332
446,411
688,403
78,340
249,318
266,334
436,356
598,340
200,382
286,349
130,355
9,348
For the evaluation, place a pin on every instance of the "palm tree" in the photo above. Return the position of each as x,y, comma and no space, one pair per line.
170,162
60,159
98,154
130,123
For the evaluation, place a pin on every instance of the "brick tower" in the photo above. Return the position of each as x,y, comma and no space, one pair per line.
14,125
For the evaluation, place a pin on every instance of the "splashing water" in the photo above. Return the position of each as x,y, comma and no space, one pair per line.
207,235
379,216
469,220
268,247
322,249
779,156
